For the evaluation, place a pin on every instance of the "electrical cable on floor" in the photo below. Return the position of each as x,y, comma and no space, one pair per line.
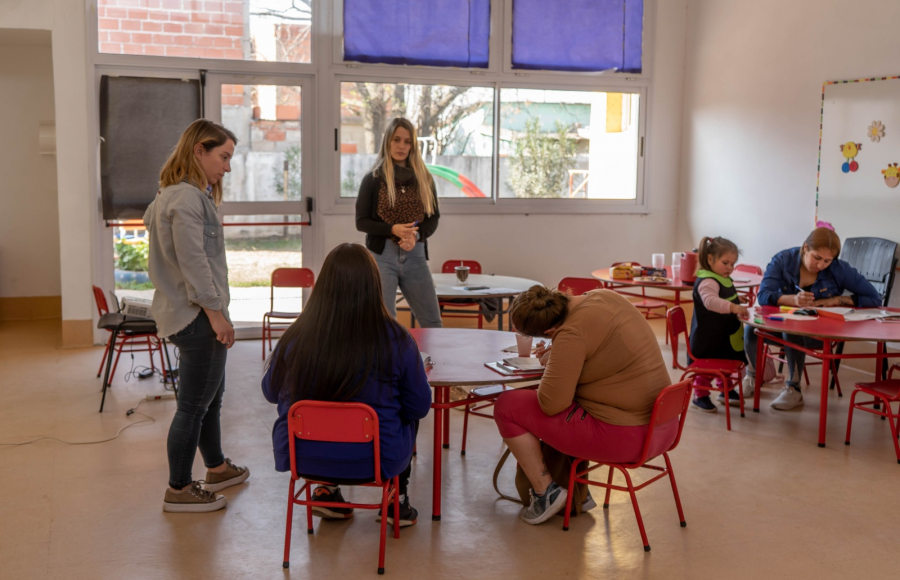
132,411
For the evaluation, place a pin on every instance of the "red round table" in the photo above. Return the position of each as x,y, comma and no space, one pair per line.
674,285
458,356
829,331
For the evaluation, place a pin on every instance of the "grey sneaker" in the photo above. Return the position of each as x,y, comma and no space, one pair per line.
544,507
232,475
789,398
193,498
589,503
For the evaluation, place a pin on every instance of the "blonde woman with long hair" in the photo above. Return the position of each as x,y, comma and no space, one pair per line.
190,305
397,209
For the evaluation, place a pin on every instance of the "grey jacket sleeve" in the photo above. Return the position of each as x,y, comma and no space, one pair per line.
187,215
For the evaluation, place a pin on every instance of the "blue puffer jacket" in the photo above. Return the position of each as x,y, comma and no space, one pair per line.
783,275
399,401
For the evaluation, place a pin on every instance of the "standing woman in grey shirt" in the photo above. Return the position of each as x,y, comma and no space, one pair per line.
190,305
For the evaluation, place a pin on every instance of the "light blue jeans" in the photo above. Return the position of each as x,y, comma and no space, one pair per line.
409,271
796,360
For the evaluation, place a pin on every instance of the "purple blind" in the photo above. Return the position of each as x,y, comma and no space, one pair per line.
577,35
423,32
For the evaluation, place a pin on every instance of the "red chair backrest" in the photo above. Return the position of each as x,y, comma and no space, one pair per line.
671,405
677,325
579,286
335,422
293,278
449,265
100,299
749,268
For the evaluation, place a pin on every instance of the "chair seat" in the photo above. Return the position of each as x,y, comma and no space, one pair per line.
889,388
455,303
649,304
277,314
130,324
714,364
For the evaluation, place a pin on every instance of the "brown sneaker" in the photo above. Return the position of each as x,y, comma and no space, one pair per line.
232,475
193,498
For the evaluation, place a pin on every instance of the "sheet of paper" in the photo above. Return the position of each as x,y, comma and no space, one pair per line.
863,315
835,309
523,363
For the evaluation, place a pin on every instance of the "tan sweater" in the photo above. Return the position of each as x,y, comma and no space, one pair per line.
606,358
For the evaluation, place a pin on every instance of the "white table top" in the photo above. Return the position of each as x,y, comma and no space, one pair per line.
498,286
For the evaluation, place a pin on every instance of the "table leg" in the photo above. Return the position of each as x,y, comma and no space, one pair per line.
823,410
446,413
438,455
760,369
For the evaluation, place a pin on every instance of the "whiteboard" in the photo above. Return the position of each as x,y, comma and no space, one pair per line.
857,200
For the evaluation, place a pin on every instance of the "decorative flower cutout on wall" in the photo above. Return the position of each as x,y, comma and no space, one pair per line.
876,131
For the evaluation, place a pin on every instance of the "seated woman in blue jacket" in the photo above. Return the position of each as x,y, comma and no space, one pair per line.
346,347
808,276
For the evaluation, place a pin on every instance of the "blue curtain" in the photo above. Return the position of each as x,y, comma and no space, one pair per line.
424,32
577,35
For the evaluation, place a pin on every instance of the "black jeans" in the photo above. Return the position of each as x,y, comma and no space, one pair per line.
201,384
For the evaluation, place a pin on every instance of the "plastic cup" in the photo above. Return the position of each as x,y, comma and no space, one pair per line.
676,272
658,260
676,258
523,343
462,274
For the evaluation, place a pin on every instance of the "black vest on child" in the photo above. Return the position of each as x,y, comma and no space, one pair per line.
715,335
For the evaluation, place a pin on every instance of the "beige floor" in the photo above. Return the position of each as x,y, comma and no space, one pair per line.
761,501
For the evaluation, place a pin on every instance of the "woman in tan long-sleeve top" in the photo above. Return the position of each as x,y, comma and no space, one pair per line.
602,376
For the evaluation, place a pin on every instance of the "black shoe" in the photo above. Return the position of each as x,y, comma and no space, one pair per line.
704,404
733,399
408,514
322,493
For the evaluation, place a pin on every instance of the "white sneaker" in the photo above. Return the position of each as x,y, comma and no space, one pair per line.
747,386
788,399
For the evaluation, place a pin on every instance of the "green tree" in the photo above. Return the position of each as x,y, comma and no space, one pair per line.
539,164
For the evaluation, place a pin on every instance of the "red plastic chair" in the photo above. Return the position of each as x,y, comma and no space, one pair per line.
340,423
137,341
449,268
283,278
671,405
730,372
750,293
579,286
886,392
646,305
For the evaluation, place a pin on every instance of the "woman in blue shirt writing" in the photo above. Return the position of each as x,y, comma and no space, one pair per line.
346,347
808,276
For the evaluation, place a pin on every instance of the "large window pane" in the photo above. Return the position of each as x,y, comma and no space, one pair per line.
262,30
455,129
266,121
578,35
444,33
568,144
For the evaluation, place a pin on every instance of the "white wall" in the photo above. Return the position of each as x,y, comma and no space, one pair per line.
65,19
753,90
29,232
549,247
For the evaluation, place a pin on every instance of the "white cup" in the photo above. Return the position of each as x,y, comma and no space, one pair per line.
658,260
676,258
523,343
676,272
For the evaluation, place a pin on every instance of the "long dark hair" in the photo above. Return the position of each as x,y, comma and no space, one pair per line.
344,335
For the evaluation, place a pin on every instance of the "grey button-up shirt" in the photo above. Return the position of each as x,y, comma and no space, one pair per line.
187,257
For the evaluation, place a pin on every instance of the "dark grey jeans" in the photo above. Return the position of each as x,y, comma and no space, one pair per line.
409,271
201,384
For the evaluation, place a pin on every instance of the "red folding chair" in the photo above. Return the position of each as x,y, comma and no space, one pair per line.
671,405
882,392
137,338
645,305
339,423
273,320
449,267
729,372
